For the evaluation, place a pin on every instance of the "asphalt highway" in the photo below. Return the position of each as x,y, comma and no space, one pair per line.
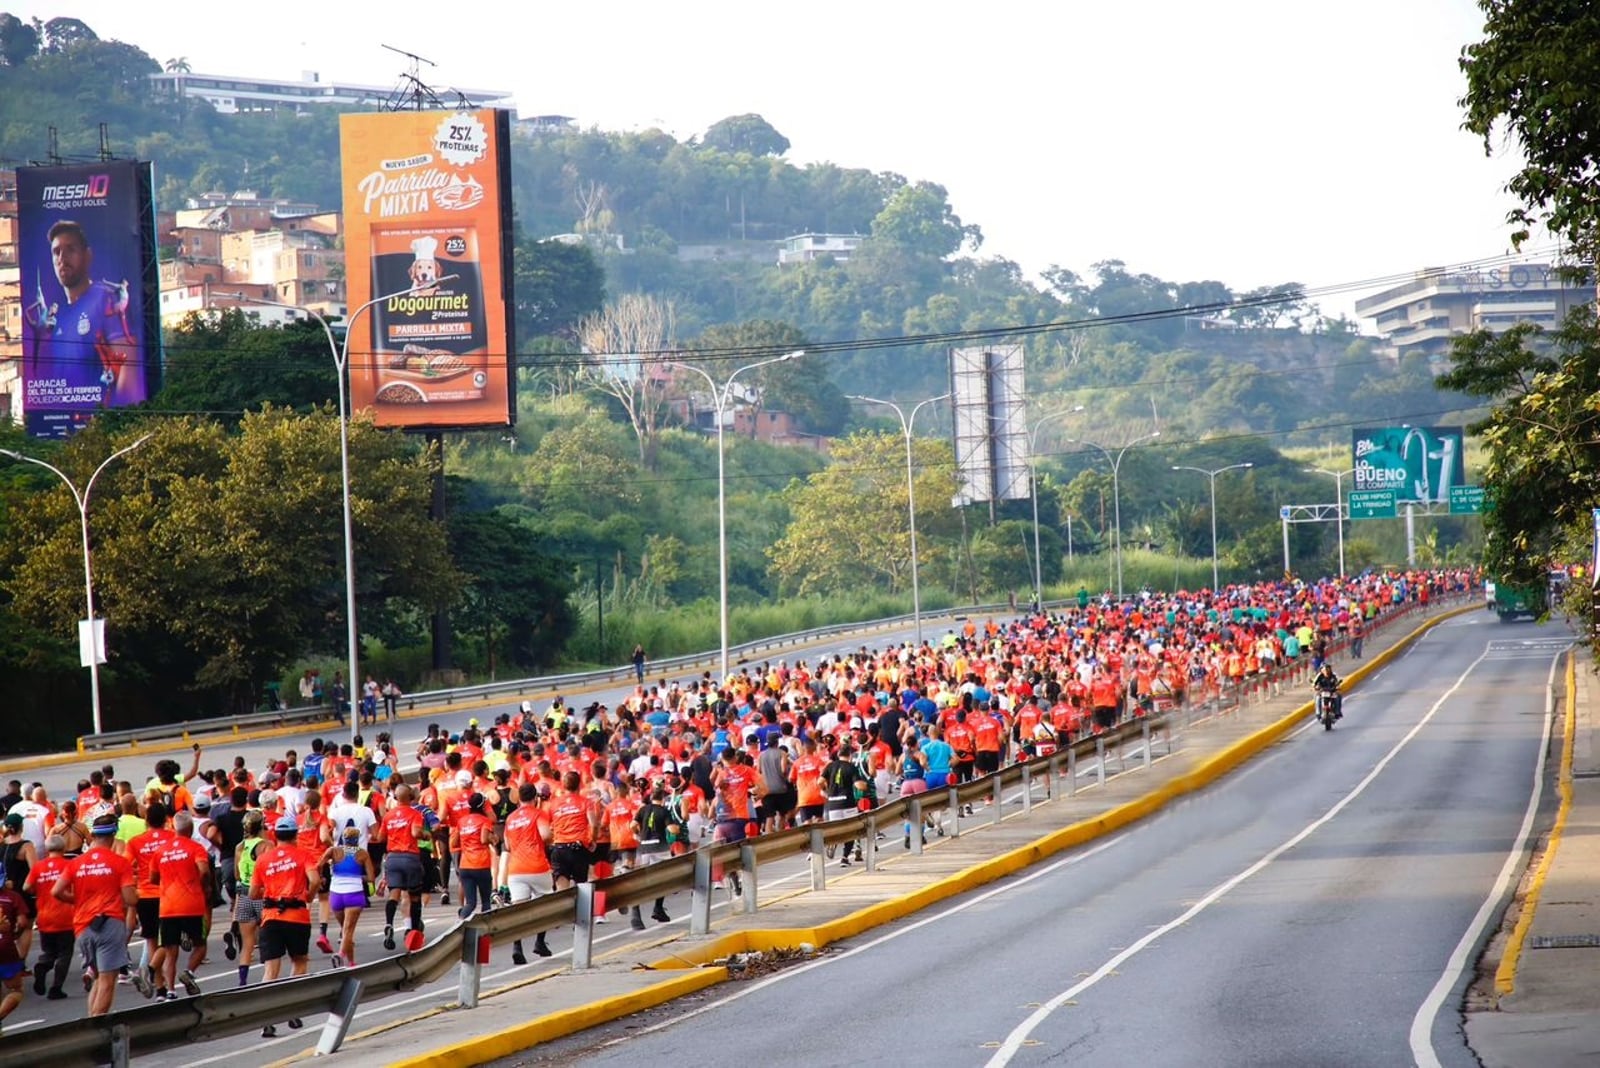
1323,906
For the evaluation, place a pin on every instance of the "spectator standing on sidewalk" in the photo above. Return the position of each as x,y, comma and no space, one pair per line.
638,663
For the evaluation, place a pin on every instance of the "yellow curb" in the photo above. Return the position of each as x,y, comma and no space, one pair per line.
560,1024
693,959
1505,975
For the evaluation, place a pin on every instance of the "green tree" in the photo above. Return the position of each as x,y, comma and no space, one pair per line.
850,521
918,219
799,386
557,284
746,133
1541,438
19,42
513,593
230,363
1537,72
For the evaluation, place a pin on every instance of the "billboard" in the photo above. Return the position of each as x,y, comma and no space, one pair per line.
427,216
1420,464
991,435
86,253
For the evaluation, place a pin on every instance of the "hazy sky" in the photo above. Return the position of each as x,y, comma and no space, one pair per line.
1243,140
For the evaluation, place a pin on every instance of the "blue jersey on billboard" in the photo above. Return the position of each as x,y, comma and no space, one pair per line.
84,258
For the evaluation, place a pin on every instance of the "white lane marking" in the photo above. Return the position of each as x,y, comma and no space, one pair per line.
880,940
1019,1034
1421,1036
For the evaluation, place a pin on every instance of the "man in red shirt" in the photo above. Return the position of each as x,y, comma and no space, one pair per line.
284,882
183,871
99,886
143,851
54,919
402,831
574,825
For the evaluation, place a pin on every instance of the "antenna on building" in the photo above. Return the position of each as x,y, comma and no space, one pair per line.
53,148
105,143
412,94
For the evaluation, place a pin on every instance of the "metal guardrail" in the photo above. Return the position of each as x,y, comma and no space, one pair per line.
151,1028
542,684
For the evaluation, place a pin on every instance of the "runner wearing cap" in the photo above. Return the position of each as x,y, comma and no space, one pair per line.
284,884
247,909
100,887
349,872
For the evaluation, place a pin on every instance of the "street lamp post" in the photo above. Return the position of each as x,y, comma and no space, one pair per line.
906,423
94,644
341,362
1116,489
1033,491
1212,475
720,396
1338,489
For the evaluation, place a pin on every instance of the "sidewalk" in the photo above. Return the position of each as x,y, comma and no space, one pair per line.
558,1002
1552,1017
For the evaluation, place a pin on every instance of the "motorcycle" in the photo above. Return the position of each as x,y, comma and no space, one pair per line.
1328,708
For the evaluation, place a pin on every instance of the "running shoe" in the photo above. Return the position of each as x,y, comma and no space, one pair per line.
388,936
228,949
323,945
142,985
191,985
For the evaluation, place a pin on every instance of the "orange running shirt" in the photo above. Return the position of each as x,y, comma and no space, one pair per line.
401,827
735,791
97,879
54,916
143,851
474,828
281,876
179,866
525,842
619,819
807,776
569,821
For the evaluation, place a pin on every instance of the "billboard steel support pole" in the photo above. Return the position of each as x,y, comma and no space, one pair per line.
82,501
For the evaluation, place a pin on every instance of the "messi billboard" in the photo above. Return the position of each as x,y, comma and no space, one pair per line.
86,250
427,215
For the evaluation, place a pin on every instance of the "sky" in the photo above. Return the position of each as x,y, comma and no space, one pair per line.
1249,141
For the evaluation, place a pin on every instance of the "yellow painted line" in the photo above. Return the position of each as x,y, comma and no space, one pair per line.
1505,975
482,1049
692,960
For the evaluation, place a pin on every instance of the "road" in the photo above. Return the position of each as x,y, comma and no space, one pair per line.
1321,907
219,974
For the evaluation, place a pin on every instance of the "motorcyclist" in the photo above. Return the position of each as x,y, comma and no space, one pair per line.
1325,681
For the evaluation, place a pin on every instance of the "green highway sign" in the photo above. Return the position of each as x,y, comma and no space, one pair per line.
1372,504
1466,500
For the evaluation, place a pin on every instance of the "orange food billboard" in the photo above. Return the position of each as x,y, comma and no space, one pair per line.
427,220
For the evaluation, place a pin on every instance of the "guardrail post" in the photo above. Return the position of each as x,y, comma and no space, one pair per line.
121,1045
700,897
474,954
1100,760
583,928
747,861
1072,769
1027,788
870,842
1055,773
339,1017
998,801
819,860
955,813
914,821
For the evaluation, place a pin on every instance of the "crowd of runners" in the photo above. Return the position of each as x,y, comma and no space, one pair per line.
126,879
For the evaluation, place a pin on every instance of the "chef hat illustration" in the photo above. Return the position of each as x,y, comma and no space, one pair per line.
423,248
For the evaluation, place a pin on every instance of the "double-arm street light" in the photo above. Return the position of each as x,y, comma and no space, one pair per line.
1212,475
341,363
1338,489
720,396
1033,491
906,422
92,644
1116,488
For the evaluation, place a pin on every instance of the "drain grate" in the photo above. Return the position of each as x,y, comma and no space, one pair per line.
1581,941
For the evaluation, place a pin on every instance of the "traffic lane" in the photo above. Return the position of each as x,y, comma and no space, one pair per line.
1326,954
1057,922
61,781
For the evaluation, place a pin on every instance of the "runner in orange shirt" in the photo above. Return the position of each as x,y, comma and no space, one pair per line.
183,869
474,832
284,883
101,889
54,920
574,825
524,861
806,774
143,851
